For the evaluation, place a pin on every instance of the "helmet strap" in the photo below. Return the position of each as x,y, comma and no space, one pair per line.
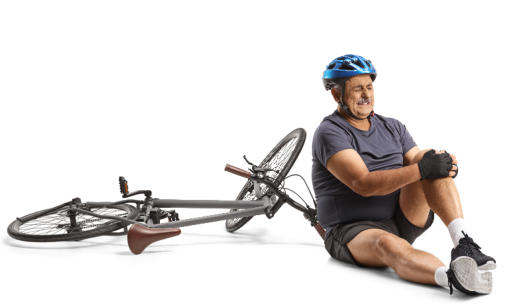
352,115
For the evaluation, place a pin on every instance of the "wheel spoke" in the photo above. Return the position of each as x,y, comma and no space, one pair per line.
278,161
59,222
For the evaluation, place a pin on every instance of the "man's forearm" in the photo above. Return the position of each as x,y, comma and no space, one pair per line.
383,182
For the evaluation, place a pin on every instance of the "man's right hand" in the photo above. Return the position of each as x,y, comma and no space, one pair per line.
435,165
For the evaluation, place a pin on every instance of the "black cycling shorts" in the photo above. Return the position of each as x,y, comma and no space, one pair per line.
338,237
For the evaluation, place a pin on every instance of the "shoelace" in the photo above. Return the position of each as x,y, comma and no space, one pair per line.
470,241
450,280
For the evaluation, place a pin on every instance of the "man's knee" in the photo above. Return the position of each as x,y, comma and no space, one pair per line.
392,249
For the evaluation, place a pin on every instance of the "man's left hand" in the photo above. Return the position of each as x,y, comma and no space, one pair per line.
454,171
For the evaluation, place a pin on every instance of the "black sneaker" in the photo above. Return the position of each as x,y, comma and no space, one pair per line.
467,247
464,275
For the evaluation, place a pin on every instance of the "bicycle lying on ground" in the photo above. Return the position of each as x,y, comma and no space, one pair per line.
263,193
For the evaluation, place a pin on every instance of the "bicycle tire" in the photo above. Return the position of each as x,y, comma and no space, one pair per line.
54,223
297,137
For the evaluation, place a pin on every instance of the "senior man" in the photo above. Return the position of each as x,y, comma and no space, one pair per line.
377,191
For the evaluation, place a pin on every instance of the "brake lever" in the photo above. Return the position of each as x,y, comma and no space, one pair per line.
248,162
260,169
256,169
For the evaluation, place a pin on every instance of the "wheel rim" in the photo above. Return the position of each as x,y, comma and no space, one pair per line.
277,160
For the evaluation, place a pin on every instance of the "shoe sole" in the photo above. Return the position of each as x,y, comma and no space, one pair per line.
488,266
467,273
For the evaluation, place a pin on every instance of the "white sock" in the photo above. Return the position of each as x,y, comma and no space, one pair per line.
441,277
455,228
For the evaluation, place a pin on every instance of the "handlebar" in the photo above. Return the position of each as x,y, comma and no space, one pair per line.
237,171
320,230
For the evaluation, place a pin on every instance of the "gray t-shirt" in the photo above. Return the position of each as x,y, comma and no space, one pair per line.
381,147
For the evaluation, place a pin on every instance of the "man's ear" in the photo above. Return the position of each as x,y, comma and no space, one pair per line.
337,93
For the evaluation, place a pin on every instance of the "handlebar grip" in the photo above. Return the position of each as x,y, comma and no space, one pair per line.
320,230
237,171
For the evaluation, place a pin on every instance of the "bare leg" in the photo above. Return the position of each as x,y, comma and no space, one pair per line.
443,198
374,247
440,195
377,248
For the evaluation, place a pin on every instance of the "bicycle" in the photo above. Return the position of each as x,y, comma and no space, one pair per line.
263,193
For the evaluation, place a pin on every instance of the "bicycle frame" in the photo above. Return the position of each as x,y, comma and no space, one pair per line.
248,208
141,235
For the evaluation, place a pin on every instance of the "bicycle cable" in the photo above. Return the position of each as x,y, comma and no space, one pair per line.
305,183
286,188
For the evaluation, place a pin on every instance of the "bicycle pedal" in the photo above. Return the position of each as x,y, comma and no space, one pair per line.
124,186
173,216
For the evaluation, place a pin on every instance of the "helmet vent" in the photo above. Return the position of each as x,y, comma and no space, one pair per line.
346,66
358,63
331,66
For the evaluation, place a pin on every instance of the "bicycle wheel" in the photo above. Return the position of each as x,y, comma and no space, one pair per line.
281,158
56,225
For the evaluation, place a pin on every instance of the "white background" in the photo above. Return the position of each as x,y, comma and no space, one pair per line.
167,92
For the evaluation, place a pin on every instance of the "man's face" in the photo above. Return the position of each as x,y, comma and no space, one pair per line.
359,95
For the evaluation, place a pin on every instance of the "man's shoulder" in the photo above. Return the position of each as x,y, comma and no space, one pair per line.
389,121
386,119
331,124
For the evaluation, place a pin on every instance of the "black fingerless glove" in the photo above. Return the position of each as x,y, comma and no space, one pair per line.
434,166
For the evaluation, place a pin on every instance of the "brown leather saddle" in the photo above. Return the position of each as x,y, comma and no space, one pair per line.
139,236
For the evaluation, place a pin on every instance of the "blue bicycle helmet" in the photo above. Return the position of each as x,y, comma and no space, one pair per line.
345,67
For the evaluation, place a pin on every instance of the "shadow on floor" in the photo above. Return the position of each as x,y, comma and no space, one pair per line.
255,237
389,274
